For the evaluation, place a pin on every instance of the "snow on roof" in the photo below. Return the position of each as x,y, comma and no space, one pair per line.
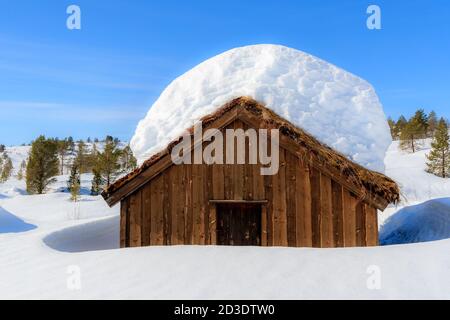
338,108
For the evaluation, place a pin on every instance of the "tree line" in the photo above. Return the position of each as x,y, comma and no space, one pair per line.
48,157
412,132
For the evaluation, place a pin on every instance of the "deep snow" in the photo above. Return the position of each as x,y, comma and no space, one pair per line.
36,262
337,107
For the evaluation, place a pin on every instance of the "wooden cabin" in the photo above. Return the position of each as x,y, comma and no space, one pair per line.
318,198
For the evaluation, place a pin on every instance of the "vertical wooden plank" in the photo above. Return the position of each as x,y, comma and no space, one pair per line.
279,203
360,224
157,218
304,203
248,190
146,214
212,225
264,241
291,198
228,168
123,223
338,214
349,219
268,190
326,221
188,210
371,226
238,169
182,186
135,219
207,194
167,201
218,181
198,205
176,191
315,207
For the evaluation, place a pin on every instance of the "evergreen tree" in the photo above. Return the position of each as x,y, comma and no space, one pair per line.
392,127
22,168
63,147
432,123
439,157
97,182
82,158
2,148
127,160
6,169
42,165
108,162
74,183
414,131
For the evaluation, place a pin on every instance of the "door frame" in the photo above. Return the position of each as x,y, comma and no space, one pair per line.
213,218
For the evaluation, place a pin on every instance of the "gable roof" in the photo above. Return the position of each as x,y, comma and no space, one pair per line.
373,187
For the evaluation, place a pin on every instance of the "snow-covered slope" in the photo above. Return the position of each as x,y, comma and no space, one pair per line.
423,222
337,107
408,169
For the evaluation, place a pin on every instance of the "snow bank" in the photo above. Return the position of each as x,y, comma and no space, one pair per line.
337,107
424,222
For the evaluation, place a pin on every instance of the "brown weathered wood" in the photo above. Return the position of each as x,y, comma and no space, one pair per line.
350,203
188,209
338,214
238,201
279,204
303,207
157,217
167,201
146,214
212,224
123,223
371,226
316,208
264,241
360,224
238,169
326,221
198,208
176,201
291,198
135,219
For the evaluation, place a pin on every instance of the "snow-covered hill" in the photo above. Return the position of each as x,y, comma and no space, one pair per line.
46,240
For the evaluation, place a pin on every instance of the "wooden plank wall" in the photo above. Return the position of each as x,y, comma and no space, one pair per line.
305,208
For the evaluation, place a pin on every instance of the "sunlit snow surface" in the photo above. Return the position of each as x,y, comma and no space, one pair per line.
337,107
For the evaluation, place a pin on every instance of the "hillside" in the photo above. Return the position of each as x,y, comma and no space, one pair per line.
44,237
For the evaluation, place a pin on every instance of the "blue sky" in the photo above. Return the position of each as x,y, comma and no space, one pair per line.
103,78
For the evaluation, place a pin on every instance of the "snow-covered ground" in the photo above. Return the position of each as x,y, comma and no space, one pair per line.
45,240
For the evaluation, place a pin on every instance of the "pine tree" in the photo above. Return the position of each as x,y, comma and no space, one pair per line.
2,148
82,158
42,165
392,127
127,160
63,147
7,168
439,157
432,123
74,183
97,182
108,161
414,131
22,168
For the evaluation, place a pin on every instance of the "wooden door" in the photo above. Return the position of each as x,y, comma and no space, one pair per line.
238,225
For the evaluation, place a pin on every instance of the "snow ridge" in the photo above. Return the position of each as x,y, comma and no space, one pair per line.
335,106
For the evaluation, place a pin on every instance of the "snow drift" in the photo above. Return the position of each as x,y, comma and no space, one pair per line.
427,221
335,106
